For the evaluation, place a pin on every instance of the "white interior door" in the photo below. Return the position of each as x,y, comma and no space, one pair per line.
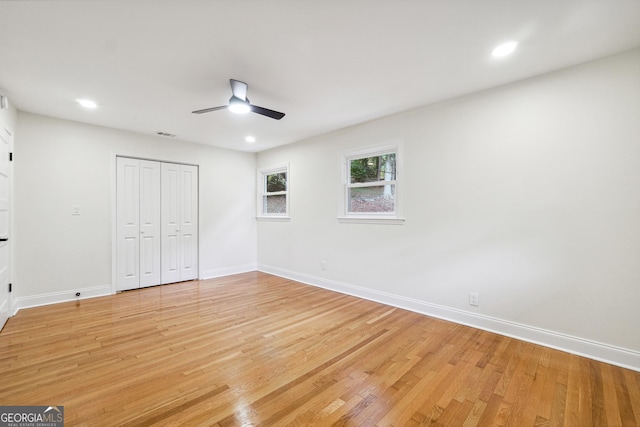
138,223
170,223
150,272
179,222
128,223
189,222
6,140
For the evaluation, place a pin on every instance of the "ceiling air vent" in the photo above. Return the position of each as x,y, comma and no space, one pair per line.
170,135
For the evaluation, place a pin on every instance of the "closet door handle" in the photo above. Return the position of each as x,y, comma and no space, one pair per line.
4,239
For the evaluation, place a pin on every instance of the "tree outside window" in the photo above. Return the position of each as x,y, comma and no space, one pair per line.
274,193
372,184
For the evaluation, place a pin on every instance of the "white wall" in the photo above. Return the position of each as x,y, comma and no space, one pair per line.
528,194
61,163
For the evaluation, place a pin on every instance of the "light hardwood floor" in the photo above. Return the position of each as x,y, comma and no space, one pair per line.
255,349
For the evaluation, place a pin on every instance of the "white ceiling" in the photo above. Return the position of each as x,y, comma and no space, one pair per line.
327,64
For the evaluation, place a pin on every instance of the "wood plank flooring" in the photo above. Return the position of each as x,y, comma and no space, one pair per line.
255,349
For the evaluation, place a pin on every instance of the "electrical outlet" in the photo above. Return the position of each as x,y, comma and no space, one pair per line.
75,210
323,264
474,299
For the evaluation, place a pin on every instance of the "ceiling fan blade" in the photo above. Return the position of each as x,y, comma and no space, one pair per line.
206,110
239,89
266,112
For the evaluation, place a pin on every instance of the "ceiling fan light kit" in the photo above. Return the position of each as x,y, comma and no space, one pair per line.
239,106
239,103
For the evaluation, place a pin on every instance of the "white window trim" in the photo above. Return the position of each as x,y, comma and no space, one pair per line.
262,173
397,217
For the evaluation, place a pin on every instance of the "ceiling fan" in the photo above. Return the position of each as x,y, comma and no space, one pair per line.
239,103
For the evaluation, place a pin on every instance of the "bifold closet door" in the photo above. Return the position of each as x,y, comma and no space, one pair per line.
179,222
137,223
150,237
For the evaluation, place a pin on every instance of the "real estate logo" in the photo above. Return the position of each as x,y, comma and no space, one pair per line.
31,416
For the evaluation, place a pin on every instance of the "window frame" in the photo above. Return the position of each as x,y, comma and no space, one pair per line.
395,217
262,192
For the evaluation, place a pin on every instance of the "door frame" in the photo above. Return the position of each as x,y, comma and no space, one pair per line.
113,166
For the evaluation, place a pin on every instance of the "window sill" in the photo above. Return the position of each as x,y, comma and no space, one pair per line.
370,220
274,218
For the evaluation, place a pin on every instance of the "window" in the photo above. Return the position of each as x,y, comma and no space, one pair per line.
273,194
371,186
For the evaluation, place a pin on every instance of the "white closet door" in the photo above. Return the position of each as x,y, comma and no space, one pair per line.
128,223
179,222
189,222
150,272
170,223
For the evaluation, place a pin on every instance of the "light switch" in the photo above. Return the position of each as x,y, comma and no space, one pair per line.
75,210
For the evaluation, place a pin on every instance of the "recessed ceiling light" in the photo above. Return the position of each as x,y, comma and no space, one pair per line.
87,103
504,49
250,138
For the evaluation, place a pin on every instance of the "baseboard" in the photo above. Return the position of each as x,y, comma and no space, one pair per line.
63,296
98,291
227,271
618,356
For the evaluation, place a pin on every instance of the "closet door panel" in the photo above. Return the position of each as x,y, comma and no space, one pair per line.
189,222
150,262
127,223
171,260
131,267
188,259
170,223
